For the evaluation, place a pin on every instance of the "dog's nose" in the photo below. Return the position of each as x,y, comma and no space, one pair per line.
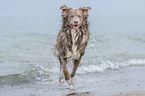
75,21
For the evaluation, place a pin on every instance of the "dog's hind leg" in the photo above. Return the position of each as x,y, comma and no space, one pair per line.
61,80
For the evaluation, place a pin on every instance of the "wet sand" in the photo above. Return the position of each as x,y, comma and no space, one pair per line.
126,82
134,93
109,94
130,94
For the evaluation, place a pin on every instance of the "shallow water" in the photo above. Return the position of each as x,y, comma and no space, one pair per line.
29,29
27,64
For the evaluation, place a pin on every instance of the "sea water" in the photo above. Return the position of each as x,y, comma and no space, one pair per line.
27,62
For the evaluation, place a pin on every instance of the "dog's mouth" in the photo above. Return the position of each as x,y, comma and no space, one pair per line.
76,26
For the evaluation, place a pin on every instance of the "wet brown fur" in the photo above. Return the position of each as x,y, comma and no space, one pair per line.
64,40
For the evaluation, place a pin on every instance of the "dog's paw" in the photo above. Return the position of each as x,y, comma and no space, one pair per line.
70,82
71,86
61,80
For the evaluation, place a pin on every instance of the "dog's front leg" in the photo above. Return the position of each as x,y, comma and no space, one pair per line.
76,64
65,70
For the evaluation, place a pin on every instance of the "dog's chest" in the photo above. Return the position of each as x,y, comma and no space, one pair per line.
73,54
74,40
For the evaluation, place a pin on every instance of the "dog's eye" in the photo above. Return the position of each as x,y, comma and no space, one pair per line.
71,16
79,16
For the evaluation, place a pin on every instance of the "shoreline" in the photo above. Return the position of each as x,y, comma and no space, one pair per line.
131,82
132,93
128,81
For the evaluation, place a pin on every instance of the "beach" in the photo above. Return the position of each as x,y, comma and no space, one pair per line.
129,83
126,82
114,59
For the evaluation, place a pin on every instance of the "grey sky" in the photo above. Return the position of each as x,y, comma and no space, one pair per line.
105,16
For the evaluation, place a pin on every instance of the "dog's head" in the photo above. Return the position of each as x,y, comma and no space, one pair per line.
75,17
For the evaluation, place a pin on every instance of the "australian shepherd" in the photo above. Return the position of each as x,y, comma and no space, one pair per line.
72,40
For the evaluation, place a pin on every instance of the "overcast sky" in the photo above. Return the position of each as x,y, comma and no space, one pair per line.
105,16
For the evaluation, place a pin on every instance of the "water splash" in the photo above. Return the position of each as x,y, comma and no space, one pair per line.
32,74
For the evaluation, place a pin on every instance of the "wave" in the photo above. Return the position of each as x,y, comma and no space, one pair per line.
37,73
32,74
104,65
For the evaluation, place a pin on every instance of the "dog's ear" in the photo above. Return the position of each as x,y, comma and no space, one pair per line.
65,10
85,11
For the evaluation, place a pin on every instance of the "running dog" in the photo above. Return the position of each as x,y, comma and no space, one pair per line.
72,39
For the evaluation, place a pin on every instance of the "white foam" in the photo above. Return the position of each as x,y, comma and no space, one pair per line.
110,65
104,65
137,61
